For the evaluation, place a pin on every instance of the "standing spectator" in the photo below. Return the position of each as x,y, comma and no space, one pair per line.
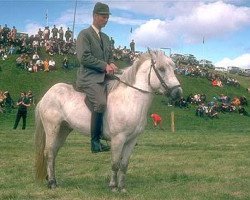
13,34
112,43
68,35
40,34
61,33
23,103
1,32
6,31
132,46
46,33
31,97
54,32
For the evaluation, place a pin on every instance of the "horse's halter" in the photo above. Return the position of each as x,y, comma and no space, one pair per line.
167,89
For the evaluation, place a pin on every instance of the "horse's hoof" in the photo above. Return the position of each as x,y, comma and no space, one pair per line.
52,184
123,190
114,189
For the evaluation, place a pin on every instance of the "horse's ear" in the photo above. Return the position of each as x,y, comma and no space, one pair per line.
149,51
152,53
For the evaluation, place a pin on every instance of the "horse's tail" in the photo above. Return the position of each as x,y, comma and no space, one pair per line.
40,141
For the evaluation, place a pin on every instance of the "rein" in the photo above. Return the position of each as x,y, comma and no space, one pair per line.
141,90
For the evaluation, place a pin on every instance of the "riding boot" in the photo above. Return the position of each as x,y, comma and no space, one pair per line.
96,126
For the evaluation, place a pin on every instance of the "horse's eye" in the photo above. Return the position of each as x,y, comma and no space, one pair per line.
162,69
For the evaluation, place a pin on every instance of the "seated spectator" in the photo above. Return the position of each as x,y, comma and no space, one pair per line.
236,101
219,83
2,98
30,66
201,110
52,64
243,101
157,120
35,67
12,50
213,111
182,103
35,57
46,65
26,61
242,111
65,63
39,64
8,102
20,61
224,99
35,44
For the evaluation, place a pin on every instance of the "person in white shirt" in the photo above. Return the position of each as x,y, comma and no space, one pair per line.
52,64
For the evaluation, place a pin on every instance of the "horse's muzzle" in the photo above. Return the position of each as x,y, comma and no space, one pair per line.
175,93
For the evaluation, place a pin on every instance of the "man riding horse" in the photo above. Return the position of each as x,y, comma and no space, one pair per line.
96,60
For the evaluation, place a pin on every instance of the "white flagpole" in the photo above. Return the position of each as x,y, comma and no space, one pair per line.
73,31
47,17
203,51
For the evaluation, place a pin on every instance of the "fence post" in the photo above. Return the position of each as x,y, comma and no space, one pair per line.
172,122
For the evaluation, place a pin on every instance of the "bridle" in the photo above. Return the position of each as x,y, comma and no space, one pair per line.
164,85
167,89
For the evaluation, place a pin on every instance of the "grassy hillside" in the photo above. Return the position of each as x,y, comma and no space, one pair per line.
204,159
15,80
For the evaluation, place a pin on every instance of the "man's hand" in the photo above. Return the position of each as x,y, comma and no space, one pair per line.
111,68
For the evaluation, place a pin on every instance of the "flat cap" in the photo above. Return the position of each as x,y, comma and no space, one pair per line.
101,9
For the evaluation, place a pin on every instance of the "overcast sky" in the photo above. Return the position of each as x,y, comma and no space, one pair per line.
218,31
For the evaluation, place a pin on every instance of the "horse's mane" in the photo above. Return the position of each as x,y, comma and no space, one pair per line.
129,73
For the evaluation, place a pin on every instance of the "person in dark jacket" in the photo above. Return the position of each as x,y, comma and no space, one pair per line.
96,64
22,103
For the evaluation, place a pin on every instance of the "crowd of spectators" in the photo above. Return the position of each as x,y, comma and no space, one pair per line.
216,79
219,104
53,41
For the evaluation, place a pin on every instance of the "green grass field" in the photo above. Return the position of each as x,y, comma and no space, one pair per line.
204,158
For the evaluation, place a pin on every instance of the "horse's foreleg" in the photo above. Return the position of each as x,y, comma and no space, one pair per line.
126,153
116,148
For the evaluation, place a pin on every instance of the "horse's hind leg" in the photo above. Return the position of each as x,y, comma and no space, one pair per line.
54,141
